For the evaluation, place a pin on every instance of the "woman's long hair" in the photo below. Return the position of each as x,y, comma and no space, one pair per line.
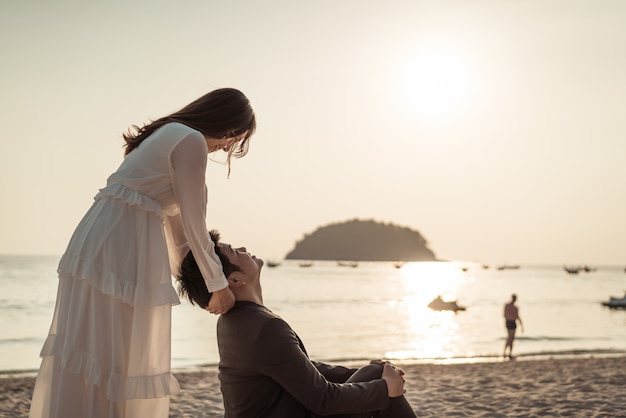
221,113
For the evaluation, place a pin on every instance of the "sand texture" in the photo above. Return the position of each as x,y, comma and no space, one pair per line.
577,387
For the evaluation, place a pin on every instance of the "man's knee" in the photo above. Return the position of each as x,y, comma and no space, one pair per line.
367,373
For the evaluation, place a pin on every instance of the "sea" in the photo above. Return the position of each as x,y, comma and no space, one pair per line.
352,313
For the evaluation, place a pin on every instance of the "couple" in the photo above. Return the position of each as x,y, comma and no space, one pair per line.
264,369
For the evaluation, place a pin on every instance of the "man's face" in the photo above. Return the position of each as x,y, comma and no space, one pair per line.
248,264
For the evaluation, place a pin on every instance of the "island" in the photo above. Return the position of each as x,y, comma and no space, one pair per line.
362,240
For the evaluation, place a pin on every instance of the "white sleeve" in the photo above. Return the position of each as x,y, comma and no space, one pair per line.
188,230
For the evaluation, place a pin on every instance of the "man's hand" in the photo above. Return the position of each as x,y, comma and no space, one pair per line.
221,301
394,378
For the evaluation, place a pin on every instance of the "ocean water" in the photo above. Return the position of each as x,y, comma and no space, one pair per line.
374,310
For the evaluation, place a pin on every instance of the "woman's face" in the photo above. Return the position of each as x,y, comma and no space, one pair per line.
224,144
230,141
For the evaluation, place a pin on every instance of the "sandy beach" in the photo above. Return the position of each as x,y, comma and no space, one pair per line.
576,387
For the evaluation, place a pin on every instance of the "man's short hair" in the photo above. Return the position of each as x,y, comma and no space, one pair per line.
191,283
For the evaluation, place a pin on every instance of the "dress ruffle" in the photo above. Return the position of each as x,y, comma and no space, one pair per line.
116,189
73,266
112,318
118,387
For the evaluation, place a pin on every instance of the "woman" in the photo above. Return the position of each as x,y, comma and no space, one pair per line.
108,350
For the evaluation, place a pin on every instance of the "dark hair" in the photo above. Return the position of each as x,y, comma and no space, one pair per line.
221,113
190,280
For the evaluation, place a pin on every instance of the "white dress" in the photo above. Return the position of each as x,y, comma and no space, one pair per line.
108,350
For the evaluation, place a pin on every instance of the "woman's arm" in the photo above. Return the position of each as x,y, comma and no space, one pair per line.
188,162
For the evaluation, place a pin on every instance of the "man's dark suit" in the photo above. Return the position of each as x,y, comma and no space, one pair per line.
264,371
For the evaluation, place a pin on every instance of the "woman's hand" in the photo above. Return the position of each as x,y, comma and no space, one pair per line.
221,301
394,378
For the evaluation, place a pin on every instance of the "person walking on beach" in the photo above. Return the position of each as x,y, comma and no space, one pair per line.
511,318
108,350
264,369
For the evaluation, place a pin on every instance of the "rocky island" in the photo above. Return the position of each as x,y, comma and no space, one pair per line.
362,240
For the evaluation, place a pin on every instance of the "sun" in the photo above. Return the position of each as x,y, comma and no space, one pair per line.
435,81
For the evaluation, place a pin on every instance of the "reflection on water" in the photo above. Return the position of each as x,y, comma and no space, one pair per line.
432,333
372,311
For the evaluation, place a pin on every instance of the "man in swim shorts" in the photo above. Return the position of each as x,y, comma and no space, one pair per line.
511,317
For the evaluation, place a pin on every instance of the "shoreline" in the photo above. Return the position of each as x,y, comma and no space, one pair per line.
585,386
550,355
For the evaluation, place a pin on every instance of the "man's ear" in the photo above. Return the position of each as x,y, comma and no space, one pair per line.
234,280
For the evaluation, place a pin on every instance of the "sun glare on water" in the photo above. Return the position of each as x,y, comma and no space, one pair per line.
432,333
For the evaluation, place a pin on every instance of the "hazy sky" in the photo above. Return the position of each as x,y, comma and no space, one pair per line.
495,128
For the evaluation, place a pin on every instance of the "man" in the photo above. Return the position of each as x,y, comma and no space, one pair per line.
264,370
511,318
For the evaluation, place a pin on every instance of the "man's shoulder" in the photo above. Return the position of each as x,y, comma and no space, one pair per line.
249,311
250,324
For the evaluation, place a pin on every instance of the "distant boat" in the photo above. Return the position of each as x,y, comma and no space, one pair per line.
398,264
272,263
578,269
508,267
347,264
615,302
438,304
571,270
305,264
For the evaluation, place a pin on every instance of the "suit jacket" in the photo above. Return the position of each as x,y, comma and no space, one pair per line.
264,371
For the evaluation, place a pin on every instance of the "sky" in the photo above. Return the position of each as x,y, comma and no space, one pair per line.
494,128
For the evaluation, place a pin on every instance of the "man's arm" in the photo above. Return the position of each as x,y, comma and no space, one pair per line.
335,374
282,359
